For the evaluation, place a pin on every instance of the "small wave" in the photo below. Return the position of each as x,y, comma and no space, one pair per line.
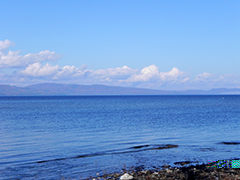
207,149
132,149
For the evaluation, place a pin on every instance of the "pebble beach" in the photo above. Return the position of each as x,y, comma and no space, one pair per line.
191,172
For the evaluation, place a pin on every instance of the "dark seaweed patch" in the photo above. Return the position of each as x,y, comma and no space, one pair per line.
230,143
167,146
138,147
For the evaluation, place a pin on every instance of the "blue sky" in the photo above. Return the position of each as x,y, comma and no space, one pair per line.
156,44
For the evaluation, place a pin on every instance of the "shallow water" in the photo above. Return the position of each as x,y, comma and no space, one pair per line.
79,136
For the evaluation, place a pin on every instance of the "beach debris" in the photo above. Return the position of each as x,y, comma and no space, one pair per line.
126,176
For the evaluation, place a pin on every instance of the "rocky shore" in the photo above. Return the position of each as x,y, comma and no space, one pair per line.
190,172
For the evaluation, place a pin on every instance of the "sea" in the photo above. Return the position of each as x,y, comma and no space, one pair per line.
78,137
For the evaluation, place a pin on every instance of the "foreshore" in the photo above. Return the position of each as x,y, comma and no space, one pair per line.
203,171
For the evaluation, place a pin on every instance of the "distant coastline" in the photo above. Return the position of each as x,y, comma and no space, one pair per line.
54,89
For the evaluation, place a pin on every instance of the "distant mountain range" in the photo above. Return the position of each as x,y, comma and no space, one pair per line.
52,89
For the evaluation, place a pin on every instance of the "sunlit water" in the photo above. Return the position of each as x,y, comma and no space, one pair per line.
77,137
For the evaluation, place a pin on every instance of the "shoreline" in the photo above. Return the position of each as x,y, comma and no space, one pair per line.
214,170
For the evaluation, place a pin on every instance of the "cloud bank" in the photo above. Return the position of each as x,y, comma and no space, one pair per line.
39,67
12,59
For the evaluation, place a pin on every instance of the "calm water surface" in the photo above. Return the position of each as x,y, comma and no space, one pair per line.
77,137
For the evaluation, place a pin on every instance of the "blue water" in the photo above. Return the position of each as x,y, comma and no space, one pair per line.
79,136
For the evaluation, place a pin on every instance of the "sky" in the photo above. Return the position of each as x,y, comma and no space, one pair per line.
157,44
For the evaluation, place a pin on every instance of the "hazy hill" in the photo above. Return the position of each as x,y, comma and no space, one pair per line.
74,89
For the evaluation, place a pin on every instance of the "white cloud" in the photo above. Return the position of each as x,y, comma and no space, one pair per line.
113,73
54,71
173,75
72,72
228,80
39,70
204,77
146,74
151,73
5,44
148,77
67,71
115,76
35,68
12,59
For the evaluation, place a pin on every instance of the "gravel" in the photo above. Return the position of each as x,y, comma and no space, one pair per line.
187,172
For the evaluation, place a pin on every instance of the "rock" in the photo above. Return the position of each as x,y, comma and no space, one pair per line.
126,176
189,172
146,172
168,170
